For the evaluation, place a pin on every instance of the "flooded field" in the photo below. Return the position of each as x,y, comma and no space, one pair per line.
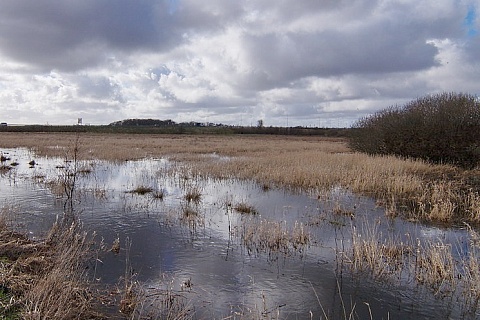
235,249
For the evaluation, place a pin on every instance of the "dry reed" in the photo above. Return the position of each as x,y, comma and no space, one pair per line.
435,267
46,278
272,237
430,263
373,253
245,208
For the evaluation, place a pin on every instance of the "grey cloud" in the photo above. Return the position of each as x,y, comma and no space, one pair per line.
472,48
284,58
194,16
73,34
98,87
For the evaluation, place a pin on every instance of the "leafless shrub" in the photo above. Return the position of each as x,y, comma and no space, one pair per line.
442,128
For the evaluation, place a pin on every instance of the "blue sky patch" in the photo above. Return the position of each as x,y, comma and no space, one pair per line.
469,22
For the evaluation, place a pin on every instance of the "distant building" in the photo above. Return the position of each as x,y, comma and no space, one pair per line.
3,124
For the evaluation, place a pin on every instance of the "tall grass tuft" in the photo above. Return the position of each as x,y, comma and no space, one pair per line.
372,253
193,195
245,208
48,277
435,267
273,237
471,271
141,190
438,202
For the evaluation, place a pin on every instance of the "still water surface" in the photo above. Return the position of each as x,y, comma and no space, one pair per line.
204,258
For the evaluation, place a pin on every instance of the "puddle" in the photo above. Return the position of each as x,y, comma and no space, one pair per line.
200,249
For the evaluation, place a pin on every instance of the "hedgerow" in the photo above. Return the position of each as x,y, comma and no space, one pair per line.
441,128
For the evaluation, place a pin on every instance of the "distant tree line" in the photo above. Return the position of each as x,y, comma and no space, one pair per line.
161,123
144,122
441,128
153,126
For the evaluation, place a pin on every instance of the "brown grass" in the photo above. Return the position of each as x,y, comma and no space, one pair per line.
272,236
371,252
141,190
245,208
435,267
46,278
431,192
307,163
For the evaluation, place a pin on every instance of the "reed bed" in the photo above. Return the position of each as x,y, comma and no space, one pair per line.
447,270
120,147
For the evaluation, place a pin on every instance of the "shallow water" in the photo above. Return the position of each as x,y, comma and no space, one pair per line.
203,257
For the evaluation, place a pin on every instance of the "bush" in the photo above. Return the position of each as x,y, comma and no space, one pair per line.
442,128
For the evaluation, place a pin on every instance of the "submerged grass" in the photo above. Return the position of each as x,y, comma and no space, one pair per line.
141,190
193,195
245,208
272,237
447,271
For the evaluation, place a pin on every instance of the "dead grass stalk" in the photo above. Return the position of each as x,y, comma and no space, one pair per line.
46,278
273,236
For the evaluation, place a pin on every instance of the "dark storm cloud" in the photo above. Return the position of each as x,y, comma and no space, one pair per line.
74,34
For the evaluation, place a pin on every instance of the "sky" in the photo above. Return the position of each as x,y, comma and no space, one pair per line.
314,63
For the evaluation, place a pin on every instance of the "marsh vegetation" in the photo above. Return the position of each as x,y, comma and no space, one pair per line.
248,210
